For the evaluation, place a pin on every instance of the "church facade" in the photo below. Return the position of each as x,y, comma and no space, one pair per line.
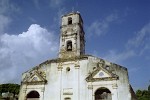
75,75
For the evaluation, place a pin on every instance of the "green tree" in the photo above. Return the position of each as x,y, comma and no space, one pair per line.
143,94
11,88
139,93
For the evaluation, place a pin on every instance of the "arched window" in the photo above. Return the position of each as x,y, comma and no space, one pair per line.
69,20
69,45
33,94
103,94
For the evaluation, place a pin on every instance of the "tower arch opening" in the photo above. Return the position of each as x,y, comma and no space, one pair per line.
33,95
103,94
69,45
69,20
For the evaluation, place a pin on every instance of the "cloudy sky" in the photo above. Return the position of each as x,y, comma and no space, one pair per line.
116,30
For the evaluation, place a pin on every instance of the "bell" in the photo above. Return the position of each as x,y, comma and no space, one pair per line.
69,47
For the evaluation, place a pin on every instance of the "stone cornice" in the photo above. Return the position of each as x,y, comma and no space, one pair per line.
58,60
101,79
35,83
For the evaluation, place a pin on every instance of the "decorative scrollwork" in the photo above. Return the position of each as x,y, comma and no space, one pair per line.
101,63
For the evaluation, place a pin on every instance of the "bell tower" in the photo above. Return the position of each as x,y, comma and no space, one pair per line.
72,41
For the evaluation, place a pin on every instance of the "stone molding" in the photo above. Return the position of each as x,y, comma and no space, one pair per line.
114,86
68,91
77,66
90,86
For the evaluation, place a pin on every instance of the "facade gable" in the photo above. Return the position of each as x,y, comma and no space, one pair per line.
100,73
35,78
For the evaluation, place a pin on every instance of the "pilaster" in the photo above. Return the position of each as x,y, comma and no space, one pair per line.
115,92
77,83
90,91
60,80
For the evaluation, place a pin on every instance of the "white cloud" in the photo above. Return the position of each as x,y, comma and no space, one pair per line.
60,12
101,27
56,3
116,57
20,52
4,22
33,20
141,42
36,4
6,8
136,46
134,69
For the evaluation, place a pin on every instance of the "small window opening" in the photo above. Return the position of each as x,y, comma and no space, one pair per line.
94,68
107,67
68,69
69,20
69,46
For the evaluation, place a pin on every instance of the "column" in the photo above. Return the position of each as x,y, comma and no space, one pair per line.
77,83
42,91
23,95
60,80
90,92
115,92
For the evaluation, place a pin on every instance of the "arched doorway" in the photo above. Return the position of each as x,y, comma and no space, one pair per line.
33,95
103,94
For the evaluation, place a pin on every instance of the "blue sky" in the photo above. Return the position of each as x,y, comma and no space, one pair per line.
115,30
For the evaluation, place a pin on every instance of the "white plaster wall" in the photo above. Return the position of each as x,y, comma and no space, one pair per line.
52,88
73,82
60,80
83,84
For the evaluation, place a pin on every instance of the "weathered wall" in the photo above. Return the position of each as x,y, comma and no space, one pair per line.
68,79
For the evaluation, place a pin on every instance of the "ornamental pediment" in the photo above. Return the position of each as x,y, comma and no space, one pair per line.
35,77
101,73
